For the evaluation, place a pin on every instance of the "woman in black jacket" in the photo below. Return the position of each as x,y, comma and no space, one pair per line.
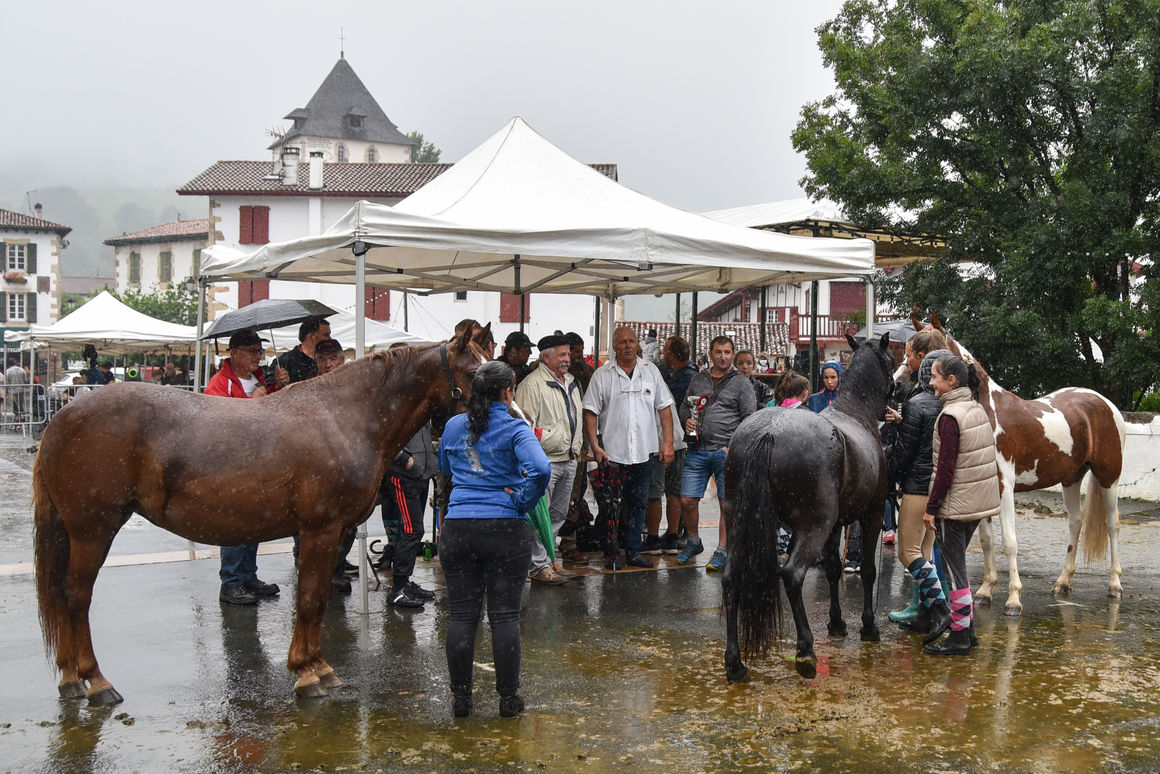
910,460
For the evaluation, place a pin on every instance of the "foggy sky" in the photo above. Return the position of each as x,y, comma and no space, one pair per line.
695,101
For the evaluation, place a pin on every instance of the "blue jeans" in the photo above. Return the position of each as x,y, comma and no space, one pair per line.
239,564
699,466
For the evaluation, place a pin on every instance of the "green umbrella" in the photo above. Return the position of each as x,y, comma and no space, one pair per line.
541,521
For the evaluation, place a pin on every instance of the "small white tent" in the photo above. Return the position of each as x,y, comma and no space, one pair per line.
112,327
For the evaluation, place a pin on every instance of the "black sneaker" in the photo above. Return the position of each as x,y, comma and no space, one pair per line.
236,595
651,546
260,589
340,583
636,560
400,599
669,544
415,591
349,569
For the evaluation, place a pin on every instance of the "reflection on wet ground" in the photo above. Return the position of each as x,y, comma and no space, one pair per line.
621,673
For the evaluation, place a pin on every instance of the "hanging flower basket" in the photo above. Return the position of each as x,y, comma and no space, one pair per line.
15,276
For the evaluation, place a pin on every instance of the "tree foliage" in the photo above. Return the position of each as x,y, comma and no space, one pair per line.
423,152
176,304
1025,133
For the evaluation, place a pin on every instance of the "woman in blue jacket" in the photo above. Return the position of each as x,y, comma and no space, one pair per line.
498,472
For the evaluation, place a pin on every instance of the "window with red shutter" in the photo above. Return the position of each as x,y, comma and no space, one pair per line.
509,307
261,225
250,291
245,225
378,303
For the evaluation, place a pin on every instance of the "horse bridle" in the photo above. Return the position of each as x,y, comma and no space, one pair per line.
456,392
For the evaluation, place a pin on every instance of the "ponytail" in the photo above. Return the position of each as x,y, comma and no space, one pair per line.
488,384
790,385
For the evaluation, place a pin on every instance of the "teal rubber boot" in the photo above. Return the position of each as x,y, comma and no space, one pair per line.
910,611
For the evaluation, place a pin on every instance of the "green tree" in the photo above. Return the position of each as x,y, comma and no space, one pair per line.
1025,133
175,305
424,152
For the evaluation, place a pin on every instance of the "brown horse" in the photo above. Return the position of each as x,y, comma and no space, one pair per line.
1059,438
303,461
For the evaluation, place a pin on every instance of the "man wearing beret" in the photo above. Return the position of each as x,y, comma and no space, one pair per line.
241,377
550,396
517,348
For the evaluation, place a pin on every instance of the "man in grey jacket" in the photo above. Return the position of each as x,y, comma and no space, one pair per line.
724,397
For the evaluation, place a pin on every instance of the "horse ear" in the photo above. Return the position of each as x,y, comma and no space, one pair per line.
916,321
483,335
884,342
853,343
935,322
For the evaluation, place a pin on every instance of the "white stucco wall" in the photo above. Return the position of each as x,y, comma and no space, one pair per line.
48,248
181,249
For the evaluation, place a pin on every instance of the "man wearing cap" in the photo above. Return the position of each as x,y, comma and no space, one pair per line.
517,348
241,377
551,398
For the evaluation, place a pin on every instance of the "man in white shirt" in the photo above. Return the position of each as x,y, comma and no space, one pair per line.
622,406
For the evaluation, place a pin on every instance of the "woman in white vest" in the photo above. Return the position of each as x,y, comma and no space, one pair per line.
963,490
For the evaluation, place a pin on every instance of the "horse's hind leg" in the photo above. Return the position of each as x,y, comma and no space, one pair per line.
833,565
1074,525
85,560
1111,509
870,532
986,589
735,670
1014,604
806,661
317,555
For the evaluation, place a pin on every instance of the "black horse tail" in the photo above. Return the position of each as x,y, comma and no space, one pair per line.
52,560
754,569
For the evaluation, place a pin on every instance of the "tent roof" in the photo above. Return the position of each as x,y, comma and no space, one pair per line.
378,335
112,327
519,215
779,213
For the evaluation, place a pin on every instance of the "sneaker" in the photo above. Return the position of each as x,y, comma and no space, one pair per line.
415,591
260,589
651,546
888,537
548,575
693,547
236,595
717,561
349,569
669,544
853,567
564,573
400,599
636,560
340,583
574,556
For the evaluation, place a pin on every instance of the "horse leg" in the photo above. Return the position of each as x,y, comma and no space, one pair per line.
735,670
990,572
870,532
1112,519
1014,604
833,564
793,575
1074,525
85,560
316,557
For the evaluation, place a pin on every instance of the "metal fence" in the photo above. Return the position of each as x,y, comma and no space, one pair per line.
27,408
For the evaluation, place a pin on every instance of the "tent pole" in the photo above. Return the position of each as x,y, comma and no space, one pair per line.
693,329
406,311
200,329
596,332
677,316
870,305
519,290
761,320
813,335
360,284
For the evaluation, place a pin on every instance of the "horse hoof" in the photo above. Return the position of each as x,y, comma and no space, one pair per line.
73,689
1061,589
329,679
807,666
105,697
736,674
871,635
309,688
981,601
838,630
1013,610
1115,593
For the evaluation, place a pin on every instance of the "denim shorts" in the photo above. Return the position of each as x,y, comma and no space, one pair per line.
699,466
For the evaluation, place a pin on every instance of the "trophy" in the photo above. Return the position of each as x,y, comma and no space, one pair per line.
697,404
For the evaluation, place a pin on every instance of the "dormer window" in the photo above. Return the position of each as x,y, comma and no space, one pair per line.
354,120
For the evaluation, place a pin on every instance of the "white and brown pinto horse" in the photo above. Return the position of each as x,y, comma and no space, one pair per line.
1059,438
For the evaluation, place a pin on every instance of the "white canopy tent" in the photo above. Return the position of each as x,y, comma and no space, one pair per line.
776,213
518,215
111,326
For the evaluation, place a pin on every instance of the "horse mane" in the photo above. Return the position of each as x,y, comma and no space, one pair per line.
390,358
860,382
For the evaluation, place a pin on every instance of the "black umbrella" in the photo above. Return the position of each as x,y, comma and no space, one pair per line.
267,313
899,330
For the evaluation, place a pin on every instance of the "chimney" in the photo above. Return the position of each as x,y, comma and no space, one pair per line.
38,210
315,170
289,165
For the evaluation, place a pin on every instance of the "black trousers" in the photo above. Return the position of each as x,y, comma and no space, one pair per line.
953,538
485,557
404,501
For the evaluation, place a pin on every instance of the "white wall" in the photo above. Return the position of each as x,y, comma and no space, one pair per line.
150,252
48,247
356,151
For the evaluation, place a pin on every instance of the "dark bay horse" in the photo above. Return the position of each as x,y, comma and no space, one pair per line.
815,473
1059,438
306,460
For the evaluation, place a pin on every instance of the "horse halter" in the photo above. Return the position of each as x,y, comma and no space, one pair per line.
456,392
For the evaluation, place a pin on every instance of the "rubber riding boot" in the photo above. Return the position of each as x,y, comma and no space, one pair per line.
910,611
461,704
510,706
957,643
940,620
920,624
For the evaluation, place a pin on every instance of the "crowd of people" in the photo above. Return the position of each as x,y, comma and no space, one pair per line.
648,431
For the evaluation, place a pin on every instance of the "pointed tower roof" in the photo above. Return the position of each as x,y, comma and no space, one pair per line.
343,108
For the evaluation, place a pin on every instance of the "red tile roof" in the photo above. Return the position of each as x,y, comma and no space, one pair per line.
242,178
18,221
166,232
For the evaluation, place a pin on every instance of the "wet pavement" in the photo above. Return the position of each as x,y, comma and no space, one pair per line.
621,672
